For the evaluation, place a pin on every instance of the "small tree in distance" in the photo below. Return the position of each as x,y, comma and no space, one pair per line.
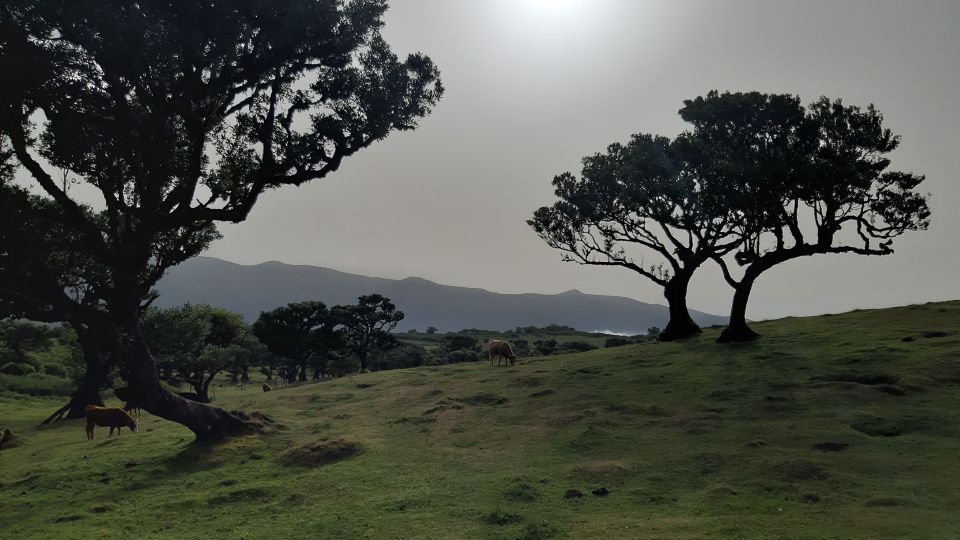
298,333
367,325
196,342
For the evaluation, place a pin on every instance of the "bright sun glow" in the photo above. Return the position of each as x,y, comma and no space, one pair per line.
559,6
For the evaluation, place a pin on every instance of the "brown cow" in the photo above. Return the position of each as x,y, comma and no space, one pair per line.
502,350
106,416
267,387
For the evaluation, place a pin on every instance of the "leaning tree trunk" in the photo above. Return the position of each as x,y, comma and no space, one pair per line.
88,391
145,391
737,329
680,325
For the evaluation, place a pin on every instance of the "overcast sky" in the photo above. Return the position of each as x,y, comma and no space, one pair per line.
535,85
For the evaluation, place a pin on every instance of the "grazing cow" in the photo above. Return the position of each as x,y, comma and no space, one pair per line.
267,387
106,416
502,350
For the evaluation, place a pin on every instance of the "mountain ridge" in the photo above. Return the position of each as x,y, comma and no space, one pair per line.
250,289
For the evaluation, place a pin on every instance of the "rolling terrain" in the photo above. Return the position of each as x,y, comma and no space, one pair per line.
839,426
248,290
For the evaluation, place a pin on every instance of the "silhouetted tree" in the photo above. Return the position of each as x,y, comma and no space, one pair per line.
299,332
641,195
432,330
181,114
367,325
800,182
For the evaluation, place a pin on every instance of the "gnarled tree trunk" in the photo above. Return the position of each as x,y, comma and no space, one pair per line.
145,391
88,391
737,329
680,325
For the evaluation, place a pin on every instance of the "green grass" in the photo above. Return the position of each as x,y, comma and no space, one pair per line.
690,439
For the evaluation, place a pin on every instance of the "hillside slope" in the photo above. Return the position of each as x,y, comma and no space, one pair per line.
829,427
251,289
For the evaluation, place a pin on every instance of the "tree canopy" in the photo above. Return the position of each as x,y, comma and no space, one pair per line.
640,206
800,182
757,178
179,115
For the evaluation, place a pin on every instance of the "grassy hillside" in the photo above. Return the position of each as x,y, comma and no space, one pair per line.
829,426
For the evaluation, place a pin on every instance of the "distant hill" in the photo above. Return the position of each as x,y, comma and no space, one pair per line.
251,289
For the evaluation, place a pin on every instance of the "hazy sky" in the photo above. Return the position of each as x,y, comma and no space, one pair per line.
535,85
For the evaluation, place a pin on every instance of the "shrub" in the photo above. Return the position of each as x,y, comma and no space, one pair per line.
403,357
617,342
457,357
459,342
14,368
545,347
579,346
55,370
342,365
36,385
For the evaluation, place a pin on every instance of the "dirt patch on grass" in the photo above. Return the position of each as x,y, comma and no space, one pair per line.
934,334
528,382
572,494
797,470
543,393
320,453
68,519
482,400
831,446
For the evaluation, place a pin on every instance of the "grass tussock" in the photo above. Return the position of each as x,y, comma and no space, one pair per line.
320,452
